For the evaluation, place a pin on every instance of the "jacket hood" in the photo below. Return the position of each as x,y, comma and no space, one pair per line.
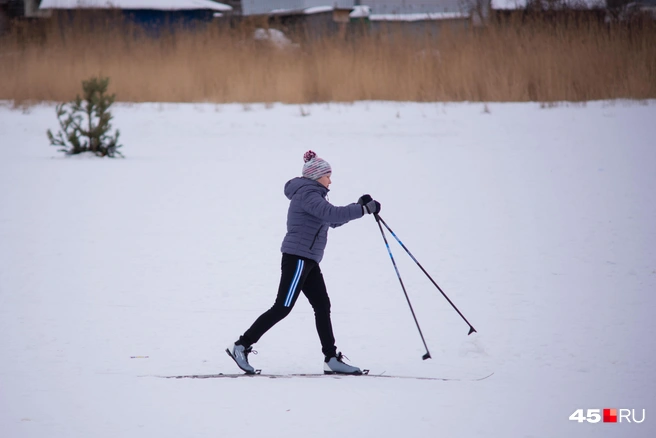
297,184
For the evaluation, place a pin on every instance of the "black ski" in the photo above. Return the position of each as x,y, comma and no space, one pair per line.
316,375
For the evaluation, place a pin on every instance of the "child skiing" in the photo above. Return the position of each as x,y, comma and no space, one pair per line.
308,219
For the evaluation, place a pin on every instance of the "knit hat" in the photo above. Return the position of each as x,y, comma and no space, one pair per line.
315,167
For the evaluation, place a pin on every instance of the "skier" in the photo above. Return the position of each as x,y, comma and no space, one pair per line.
308,219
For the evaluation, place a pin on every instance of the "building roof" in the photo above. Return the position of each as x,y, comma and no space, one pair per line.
365,12
419,17
521,4
169,5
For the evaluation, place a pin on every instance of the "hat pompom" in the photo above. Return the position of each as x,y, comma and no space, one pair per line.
309,155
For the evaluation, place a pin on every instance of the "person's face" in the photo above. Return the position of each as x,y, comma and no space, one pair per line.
324,181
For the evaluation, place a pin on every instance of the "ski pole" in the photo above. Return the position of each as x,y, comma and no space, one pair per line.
471,327
427,355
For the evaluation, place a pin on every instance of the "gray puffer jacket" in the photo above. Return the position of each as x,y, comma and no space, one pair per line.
309,217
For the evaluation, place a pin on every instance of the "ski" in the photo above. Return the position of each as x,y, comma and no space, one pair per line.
317,375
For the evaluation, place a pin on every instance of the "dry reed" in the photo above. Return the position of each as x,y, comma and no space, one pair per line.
503,62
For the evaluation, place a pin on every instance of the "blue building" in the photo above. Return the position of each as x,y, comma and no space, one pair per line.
152,15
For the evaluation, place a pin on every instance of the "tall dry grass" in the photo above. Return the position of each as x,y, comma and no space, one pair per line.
511,61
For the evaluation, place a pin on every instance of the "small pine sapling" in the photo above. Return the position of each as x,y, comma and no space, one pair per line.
85,122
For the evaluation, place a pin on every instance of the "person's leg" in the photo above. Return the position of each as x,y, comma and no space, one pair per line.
314,289
294,271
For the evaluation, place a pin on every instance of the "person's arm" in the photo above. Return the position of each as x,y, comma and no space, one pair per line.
315,204
369,206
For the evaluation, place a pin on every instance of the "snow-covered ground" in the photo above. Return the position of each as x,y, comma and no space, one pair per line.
539,224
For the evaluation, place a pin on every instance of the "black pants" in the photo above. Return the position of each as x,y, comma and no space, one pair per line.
298,274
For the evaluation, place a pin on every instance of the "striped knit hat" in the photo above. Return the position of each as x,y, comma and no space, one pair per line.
315,167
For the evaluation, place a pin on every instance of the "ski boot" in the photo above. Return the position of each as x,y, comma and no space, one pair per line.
239,354
335,365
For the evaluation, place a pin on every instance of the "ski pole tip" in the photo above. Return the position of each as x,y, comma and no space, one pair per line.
471,330
426,356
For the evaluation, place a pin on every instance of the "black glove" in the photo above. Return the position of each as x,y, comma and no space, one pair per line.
373,207
364,200
369,205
